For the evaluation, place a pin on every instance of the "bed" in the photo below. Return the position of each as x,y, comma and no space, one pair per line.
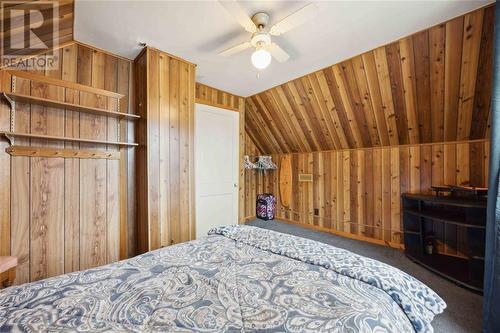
237,279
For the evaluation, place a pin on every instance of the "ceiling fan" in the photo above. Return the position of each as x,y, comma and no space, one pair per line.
261,33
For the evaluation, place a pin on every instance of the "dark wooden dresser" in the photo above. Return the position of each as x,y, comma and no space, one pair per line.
446,234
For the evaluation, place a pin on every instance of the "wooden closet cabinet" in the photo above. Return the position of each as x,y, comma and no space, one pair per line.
165,100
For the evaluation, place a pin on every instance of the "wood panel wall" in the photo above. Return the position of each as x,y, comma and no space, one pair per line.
432,86
165,95
357,192
253,181
59,215
64,23
218,98
400,118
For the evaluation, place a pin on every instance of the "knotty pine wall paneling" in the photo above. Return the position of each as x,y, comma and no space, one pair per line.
357,192
65,214
432,86
165,95
397,119
214,97
218,98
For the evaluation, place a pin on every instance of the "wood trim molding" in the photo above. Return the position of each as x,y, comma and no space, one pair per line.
394,146
217,105
342,234
77,42
218,98
163,53
241,179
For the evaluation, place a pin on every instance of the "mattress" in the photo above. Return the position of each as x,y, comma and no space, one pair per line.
237,279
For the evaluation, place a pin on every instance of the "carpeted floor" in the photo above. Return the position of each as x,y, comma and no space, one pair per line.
464,311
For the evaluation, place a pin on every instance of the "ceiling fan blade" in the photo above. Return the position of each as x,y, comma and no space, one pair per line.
235,49
239,15
277,52
293,20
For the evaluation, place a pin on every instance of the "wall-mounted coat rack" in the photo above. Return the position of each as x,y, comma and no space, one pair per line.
64,153
262,163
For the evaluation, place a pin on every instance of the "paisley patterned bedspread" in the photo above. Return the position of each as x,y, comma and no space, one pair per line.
237,279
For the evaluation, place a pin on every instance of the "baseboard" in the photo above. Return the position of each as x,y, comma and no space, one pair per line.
342,234
249,218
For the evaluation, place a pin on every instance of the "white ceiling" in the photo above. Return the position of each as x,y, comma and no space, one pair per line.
197,30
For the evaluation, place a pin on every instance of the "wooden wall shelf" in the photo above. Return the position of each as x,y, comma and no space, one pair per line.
67,106
8,84
10,135
9,74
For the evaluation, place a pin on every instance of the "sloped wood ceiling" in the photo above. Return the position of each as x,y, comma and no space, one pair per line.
433,86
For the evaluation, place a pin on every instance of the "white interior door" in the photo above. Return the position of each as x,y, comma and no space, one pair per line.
217,167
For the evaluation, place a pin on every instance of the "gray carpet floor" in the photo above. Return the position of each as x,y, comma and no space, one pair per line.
464,311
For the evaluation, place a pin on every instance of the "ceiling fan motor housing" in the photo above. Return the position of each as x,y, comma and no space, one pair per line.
261,37
261,20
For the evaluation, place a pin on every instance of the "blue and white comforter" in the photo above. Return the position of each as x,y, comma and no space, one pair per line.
238,279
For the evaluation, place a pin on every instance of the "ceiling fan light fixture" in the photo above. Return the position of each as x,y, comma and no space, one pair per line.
257,25
261,58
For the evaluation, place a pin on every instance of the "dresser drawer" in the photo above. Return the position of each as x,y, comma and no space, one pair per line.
7,271
7,278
